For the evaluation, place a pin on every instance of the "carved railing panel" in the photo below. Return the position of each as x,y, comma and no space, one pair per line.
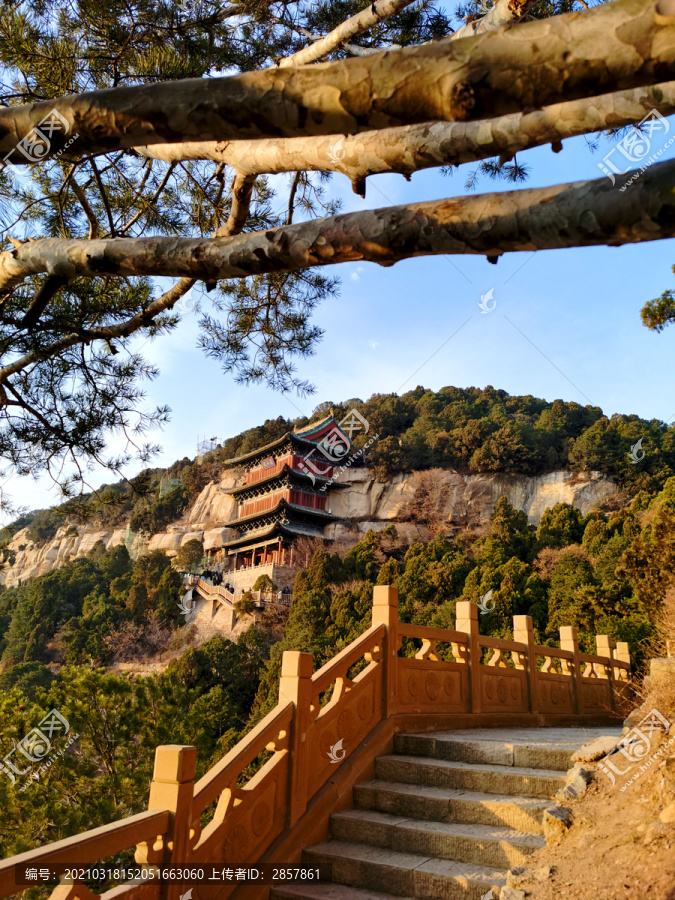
502,680
426,683
354,708
595,688
247,818
555,685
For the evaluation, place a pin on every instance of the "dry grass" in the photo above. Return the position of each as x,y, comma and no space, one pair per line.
429,501
547,559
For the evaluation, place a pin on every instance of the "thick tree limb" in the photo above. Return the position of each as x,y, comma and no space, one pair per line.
616,46
362,21
248,158
412,148
581,214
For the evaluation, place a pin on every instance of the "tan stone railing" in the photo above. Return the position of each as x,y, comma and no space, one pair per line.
214,591
273,792
140,832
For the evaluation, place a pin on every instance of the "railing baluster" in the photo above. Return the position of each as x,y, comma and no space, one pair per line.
296,685
569,641
524,634
605,647
467,621
385,612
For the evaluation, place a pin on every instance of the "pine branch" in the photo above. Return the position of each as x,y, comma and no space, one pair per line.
362,21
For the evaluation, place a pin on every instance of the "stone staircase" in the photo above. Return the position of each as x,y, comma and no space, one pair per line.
446,816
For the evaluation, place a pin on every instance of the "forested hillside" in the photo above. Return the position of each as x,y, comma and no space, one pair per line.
604,573
471,430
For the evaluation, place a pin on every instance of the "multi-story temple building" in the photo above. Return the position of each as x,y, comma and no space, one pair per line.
286,495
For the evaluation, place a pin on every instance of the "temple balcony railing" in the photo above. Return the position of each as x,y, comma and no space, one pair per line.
274,792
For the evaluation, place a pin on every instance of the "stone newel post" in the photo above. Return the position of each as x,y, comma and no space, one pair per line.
569,641
172,788
467,621
523,633
605,647
296,685
385,612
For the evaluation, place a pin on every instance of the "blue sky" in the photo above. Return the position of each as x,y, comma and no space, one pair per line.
566,323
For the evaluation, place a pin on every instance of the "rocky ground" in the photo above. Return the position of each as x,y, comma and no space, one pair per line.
620,843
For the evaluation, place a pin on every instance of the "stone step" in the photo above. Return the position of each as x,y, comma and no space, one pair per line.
488,779
404,874
540,752
420,801
322,891
481,845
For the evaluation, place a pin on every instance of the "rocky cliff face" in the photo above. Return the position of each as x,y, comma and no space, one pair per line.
409,501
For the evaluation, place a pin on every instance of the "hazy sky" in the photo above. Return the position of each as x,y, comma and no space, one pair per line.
566,323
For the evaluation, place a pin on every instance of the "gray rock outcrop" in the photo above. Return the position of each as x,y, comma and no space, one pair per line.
453,499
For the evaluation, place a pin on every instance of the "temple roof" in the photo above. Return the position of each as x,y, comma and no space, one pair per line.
301,477
275,529
315,427
282,504
301,438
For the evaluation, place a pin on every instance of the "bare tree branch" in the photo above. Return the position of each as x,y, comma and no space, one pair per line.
504,12
41,300
88,211
104,196
291,198
350,28
242,191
